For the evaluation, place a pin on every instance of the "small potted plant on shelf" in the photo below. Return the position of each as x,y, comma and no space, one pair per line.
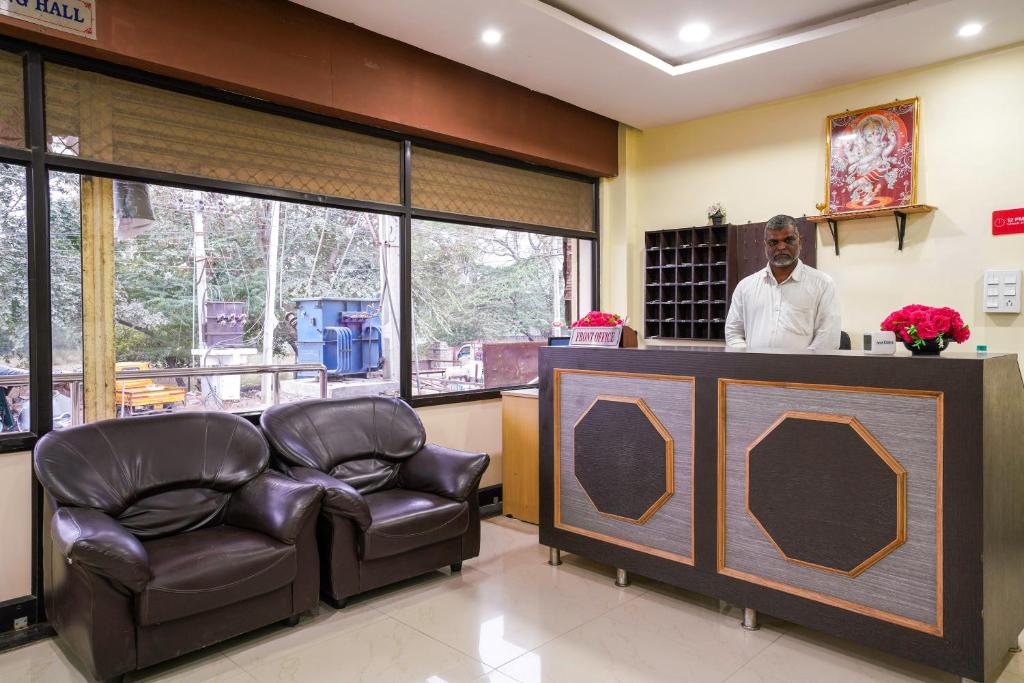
927,330
716,213
597,328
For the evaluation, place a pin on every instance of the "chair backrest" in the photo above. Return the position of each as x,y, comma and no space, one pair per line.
361,441
156,475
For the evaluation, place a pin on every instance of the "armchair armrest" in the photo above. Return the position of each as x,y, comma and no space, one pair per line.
443,471
339,497
274,505
97,541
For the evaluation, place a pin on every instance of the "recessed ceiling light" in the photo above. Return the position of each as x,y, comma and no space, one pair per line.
491,36
968,30
694,33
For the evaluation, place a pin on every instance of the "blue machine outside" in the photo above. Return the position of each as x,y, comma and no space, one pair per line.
342,334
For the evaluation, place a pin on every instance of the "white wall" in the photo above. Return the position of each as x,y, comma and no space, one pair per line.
770,159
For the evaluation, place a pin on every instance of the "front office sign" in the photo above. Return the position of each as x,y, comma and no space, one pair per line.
77,17
595,336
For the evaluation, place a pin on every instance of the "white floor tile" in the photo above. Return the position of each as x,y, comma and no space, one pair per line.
609,651
194,668
381,651
41,662
508,614
509,609
805,657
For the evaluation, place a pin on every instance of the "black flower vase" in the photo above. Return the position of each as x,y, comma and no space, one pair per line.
717,220
931,347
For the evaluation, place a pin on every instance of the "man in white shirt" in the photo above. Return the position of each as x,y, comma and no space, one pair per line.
788,305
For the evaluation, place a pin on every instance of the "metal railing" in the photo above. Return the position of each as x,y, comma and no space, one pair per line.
76,379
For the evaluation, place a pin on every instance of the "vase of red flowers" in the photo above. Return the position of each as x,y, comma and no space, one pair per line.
927,330
598,319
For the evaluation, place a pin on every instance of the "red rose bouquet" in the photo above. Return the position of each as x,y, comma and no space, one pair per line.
598,319
916,325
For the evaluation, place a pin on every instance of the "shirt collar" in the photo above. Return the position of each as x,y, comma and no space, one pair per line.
796,276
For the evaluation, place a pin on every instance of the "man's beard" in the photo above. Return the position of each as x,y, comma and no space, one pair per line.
783,260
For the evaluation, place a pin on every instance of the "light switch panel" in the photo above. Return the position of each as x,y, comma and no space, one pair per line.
1001,293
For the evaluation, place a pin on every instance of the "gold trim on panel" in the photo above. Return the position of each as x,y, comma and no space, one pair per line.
873,443
933,629
669,452
556,460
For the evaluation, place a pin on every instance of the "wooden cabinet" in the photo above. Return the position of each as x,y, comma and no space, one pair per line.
520,448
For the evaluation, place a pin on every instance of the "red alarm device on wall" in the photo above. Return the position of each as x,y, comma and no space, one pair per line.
1008,221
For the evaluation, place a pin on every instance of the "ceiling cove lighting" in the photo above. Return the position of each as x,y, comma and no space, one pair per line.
694,33
491,36
968,30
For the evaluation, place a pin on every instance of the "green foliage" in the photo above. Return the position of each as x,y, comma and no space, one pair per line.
472,283
469,283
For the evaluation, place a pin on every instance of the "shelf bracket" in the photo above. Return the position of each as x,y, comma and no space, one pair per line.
833,227
901,227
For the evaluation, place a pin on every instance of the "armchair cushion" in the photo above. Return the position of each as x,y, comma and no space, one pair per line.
203,570
97,541
339,497
407,520
274,505
443,471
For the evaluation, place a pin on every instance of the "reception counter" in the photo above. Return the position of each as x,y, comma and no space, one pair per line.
880,499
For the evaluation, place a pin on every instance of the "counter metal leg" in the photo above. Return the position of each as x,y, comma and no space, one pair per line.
750,619
621,578
554,557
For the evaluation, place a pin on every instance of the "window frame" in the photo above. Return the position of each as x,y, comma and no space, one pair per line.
39,162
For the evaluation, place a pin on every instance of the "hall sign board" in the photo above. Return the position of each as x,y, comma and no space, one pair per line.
595,336
77,17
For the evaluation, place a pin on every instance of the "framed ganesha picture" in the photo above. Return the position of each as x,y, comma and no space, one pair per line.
872,158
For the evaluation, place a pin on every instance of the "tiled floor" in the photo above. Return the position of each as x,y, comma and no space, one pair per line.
509,617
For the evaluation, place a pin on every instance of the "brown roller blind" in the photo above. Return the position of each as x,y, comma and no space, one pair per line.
108,119
12,101
447,182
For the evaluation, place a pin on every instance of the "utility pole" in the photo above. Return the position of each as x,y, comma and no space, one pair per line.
199,265
270,299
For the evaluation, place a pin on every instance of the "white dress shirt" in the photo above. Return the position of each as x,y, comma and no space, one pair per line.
799,313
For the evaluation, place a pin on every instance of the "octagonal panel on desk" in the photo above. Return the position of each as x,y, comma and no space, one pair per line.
826,493
622,457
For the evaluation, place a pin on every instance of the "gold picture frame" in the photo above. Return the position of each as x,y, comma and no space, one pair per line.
871,157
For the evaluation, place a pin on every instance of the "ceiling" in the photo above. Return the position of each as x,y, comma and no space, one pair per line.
624,60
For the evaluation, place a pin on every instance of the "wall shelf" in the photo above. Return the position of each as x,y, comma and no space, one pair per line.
899,213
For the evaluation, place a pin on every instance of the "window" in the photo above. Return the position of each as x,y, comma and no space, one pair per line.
262,242
205,282
66,299
14,327
484,301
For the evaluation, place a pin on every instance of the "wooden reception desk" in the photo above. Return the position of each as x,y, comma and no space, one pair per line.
879,499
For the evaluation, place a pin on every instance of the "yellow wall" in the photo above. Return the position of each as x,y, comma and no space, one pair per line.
469,427
15,525
770,159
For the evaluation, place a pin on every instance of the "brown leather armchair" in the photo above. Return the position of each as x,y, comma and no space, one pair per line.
395,506
169,534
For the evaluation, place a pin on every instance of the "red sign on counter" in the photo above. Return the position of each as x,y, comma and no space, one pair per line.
1007,222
